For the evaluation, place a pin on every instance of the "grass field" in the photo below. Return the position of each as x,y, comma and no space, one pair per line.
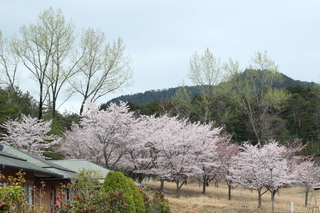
243,200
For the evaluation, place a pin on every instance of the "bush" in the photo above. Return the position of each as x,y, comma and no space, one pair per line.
84,193
158,204
137,197
11,195
117,182
146,200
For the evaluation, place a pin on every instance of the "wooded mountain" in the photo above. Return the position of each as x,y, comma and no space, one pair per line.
165,94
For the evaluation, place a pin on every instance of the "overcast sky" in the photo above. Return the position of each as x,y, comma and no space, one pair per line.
161,36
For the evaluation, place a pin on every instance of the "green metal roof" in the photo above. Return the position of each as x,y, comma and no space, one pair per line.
77,165
45,165
9,161
52,168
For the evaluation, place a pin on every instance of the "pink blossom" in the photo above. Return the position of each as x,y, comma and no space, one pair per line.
30,135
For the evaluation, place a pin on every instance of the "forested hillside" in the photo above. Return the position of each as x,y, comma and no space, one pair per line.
165,94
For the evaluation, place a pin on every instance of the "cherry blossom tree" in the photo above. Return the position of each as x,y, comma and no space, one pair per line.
252,171
171,142
140,155
307,174
29,134
174,158
180,149
226,161
101,136
207,138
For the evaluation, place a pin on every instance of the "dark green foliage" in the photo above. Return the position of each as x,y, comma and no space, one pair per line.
302,115
61,122
153,108
152,95
236,126
147,97
138,199
166,94
116,181
300,111
13,103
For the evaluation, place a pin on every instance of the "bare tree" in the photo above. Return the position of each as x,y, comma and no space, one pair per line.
9,65
253,90
206,72
103,68
61,67
43,48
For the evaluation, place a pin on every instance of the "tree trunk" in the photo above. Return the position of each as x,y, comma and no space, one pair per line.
53,113
204,185
140,178
40,103
229,191
259,198
216,183
306,197
81,108
161,185
178,192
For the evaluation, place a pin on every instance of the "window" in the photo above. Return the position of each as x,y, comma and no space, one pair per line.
28,191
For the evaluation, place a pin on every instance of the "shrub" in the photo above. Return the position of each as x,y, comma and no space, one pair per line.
146,200
85,184
116,181
137,197
84,193
117,202
158,204
12,194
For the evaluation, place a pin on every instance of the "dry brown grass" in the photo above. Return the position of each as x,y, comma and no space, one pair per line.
192,200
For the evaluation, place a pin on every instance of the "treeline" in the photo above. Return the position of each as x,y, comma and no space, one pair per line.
165,94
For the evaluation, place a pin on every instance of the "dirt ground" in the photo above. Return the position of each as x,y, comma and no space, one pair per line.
215,201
